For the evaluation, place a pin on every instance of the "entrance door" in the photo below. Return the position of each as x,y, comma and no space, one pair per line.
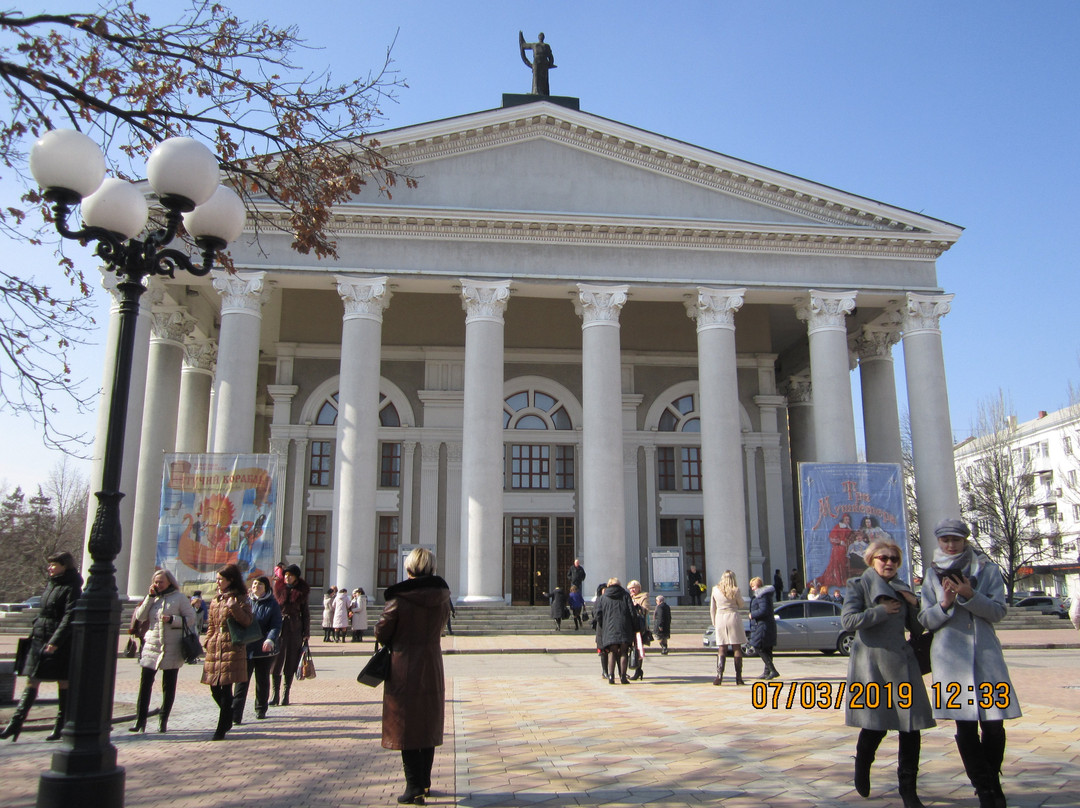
529,539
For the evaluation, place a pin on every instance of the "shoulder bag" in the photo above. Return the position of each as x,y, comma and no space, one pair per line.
377,669
920,644
190,645
306,669
242,635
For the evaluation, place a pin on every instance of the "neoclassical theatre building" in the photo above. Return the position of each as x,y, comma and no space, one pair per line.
574,338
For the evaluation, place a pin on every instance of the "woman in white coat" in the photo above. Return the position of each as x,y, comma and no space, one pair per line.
358,609
340,620
962,597
166,609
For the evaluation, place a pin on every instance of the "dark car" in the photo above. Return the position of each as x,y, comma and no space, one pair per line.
802,625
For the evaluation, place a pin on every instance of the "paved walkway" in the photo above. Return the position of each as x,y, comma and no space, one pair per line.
545,730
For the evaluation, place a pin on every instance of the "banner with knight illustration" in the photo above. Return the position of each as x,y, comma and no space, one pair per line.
846,506
217,509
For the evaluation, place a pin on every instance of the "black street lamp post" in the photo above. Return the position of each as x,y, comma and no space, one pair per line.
184,174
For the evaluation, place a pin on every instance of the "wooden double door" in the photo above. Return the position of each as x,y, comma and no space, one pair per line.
531,547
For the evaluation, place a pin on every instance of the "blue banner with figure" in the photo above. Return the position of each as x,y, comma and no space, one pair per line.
217,509
845,507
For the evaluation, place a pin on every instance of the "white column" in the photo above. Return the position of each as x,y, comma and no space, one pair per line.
652,523
243,295
408,454
800,399
928,403
834,416
132,426
280,447
196,381
721,433
756,553
482,440
429,492
768,406
636,551
877,379
169,326
455,548
357,459
291,543
602,495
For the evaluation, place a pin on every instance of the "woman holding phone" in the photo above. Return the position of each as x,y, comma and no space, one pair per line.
961,600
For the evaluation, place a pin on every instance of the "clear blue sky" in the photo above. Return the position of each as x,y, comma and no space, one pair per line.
964,111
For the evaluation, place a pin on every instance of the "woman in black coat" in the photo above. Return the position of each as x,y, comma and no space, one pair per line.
559,607
50,643
615,628
763,625
292,596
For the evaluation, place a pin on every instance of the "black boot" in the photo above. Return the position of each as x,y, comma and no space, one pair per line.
993,747
738,671
276,699
865,750
14,726
285,697
978,772
142,702
412,764
907,770
58,727
721,663
168,695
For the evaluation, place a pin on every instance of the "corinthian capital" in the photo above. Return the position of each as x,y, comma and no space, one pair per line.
364,298
825,311
484,300
201,355
923,313
170,324
715,308
876,342
241,292
600,305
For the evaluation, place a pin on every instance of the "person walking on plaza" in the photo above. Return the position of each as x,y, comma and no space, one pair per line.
295,631
641,618
576,603
663,623
167,613
778,585
576,575
961,600
261,653
201,610
763,624
695,585
615,627
340,619
49,658
225,662
796,582
358,610
724,604
414,695
328,615
559,608
878,607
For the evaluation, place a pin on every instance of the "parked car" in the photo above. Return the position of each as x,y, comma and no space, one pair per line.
801,625
29,603
1043,604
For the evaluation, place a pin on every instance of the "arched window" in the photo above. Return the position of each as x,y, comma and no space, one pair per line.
679,468
538,466
533,409
680,416
328,412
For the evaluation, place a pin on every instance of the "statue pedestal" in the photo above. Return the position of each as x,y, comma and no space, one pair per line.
516,99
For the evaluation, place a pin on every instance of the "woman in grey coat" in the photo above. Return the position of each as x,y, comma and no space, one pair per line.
885,688
168,611
962,599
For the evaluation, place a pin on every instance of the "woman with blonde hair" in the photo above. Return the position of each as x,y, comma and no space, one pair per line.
879,607
640,599
724,604
415,694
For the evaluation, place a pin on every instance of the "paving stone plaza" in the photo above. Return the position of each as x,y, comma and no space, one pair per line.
530,722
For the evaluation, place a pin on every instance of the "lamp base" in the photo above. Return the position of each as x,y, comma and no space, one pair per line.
96,790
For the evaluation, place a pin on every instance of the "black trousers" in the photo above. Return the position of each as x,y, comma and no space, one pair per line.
146,688
259,670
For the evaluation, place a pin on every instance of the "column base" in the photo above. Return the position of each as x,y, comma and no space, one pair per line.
94,790
484,600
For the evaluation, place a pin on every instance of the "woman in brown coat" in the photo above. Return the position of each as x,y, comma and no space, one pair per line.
225,662
413,697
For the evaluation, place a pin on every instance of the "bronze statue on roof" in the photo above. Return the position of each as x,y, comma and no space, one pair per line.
542,61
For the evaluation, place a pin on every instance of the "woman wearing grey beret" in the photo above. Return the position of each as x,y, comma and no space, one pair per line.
963,595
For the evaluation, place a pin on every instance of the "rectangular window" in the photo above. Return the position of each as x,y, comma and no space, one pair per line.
316,544
388,551
390,465
665,468
694,542
669,532
691,468
319,476
1076,513
564,468
1072,478
529,467
1068,444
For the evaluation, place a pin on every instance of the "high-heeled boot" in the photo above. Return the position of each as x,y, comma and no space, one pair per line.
907,770
14,726
865,751
993,746
738,671
276,698
285,696
978,771
168,696
721,663
58,727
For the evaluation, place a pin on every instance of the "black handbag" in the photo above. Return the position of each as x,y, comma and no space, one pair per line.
22,651
377,669
920,644
190,645
242,635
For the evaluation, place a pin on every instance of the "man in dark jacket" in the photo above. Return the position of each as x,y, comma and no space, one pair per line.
576,575
662,616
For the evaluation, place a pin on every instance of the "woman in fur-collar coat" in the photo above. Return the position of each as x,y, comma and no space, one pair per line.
883,670
414,696
963,596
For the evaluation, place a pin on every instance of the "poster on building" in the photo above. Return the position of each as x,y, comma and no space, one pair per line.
845,507
217,509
